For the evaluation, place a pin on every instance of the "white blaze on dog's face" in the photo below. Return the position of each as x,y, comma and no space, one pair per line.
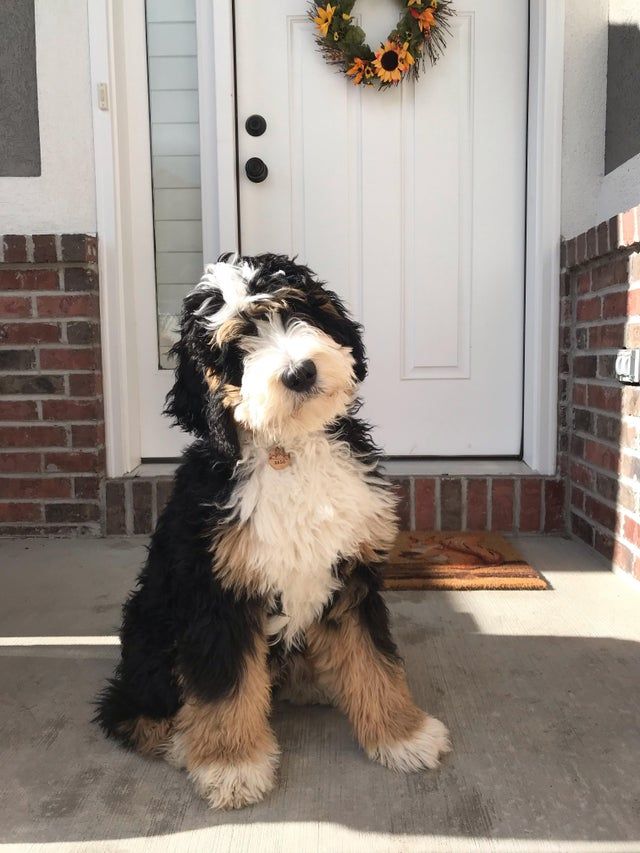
290,339
296,379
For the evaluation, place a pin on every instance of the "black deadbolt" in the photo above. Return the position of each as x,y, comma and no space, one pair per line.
256,170
255,125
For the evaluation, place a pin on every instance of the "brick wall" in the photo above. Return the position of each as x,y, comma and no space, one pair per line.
51,415
509,504
599,417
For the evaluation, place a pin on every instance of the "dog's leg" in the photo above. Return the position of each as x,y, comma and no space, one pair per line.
301,685
228,746
368,681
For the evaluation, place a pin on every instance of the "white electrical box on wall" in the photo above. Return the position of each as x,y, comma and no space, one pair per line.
628,366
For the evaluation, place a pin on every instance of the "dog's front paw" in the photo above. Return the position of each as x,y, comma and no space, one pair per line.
234,785
422,749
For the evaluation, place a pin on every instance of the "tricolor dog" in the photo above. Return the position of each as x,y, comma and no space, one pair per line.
264,571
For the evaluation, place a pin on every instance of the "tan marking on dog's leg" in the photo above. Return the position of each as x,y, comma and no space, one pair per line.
228,747
300,685
373,692
233,550
149,736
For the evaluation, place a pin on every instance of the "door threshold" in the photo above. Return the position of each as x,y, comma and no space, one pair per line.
456,468
392,467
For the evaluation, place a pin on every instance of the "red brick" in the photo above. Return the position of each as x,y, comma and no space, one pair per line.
629,231
87,488
67,513
68,359
80,278
70,410
29,333
588,309
44,248
28,279
530,504
20,512
601,455
631,531
17,359
450,504
554,519
477,504
579,394
622,556
592,243
583,284
20,463
580,527
632,335
604,543
605,397
32,487
607,337
79,248
18,410
33,436
87,435
502,504
630,401
85,384
15,249
581,474
633,302
634,267
577,498
585,366
425,503
74,461
603,238
76,305
15,306
600,513
609,274
614,305
115,508
34,384
142,501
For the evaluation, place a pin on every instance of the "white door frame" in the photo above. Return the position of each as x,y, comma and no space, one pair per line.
116,256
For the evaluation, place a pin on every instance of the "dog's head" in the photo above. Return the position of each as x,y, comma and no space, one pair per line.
263,345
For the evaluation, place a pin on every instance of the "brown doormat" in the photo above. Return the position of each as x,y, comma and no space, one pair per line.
455,560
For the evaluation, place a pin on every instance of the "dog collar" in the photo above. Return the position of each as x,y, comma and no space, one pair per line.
278,458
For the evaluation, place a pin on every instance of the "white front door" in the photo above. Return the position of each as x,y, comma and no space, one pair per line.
410,203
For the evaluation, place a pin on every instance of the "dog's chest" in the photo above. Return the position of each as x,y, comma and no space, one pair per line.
304,518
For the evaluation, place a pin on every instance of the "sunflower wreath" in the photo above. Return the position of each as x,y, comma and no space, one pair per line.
420,33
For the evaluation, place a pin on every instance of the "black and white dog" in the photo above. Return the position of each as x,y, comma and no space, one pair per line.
265,567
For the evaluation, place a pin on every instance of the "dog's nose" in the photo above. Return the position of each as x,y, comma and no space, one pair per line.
301,376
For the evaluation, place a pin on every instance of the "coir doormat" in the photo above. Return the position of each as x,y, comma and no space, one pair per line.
455,560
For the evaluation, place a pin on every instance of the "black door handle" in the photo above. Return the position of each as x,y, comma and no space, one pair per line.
256,170
255,125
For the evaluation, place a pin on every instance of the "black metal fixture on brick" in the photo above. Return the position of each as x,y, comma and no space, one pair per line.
256,170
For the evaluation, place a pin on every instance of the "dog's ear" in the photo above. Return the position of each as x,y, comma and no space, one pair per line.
344,329
192,402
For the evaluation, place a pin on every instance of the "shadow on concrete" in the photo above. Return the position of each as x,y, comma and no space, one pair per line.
546,732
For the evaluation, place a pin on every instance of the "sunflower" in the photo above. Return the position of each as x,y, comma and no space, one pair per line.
426,18
360,70
325,16
392,60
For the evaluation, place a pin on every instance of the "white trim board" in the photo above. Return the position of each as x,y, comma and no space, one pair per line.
543,221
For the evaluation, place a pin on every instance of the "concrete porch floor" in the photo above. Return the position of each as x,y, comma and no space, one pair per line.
541,691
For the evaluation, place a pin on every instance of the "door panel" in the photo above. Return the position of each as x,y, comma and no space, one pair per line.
410,203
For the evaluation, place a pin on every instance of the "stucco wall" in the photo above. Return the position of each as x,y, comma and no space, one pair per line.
588,195
62,198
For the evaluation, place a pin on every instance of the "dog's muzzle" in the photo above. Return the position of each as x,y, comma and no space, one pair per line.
300,377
